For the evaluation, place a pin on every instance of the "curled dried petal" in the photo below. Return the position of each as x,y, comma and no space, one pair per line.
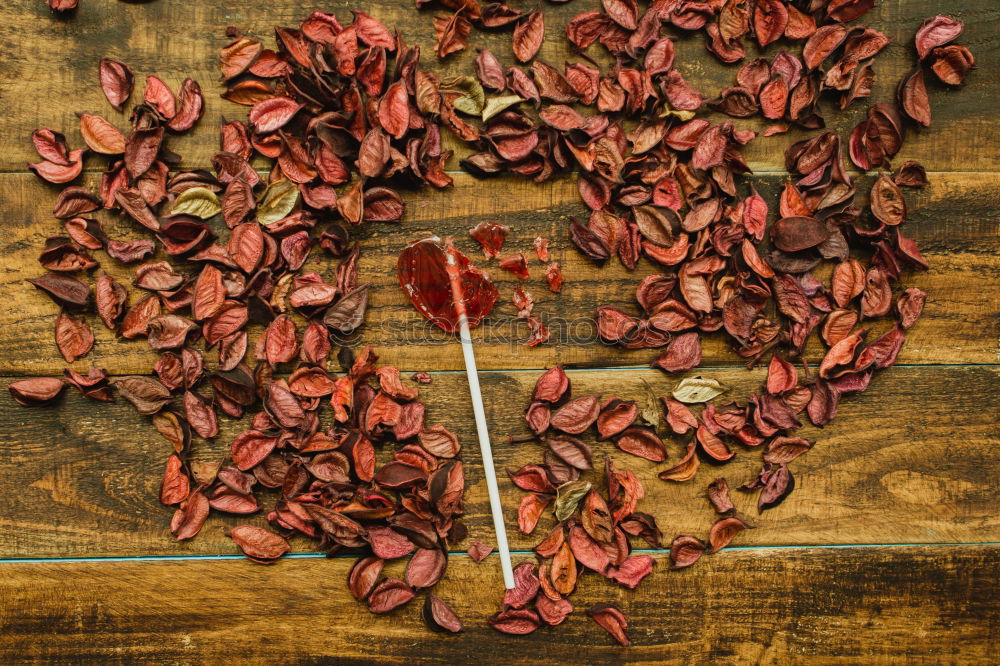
611,618
723,532
685,551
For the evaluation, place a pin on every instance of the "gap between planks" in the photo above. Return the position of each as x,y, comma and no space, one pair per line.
461,553
461,172
569,367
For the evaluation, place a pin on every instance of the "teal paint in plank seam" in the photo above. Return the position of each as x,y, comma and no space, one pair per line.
316,556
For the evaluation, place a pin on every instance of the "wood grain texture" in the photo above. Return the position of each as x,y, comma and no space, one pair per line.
87,475
912,461
956,222
761,606
48,67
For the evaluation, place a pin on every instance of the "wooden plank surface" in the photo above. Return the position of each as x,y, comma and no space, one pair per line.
45,83
956,222
87,476
759,606
912,461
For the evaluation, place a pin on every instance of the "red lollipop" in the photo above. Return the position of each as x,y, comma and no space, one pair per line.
443,284
446,288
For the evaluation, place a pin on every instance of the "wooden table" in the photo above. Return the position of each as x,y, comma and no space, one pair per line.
887,549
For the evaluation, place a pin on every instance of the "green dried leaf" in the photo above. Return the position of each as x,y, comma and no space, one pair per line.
277,202
198,201
683,116
697,389
474,100
568,496
467,105
495,105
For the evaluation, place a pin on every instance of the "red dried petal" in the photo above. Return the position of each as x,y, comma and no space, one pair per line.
611,618
528,35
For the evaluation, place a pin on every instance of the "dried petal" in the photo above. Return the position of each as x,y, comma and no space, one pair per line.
611,618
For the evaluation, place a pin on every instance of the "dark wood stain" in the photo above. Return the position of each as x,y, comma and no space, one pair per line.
874,606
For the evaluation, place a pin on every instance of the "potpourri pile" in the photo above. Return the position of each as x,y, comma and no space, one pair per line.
344,112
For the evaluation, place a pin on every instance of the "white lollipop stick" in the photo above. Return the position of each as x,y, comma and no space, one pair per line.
487,452
453,271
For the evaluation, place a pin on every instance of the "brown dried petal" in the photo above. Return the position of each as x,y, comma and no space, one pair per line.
259,544
129,252
525,586
552,385
679,416
425,568
389,544
876,299
596,518
116,81
770,17
576,415
718,495
587,552
532,478
793,234
452,34
389,595
887,202
272,114
632,571
685,469
363,576
36,392
250,448
685,551
190,516
74,337
93,385
440,442
530,510
936,31
528,35
553,611
952,64
713,446
191,107
51,146
781,376
913,99
201,415
615,417
439,616
100,135
611,618
141,149
777,487
909,305
490,71
723,532
348,313
682,354
643,443
58,174
64,290
848,281
394,111
782,450
516,622
479,551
